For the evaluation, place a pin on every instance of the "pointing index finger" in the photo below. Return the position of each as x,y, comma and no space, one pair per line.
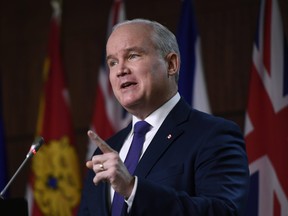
102,145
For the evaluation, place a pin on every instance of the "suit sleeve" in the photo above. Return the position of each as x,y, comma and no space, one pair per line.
219,185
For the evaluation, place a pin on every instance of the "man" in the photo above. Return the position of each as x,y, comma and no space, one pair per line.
191,164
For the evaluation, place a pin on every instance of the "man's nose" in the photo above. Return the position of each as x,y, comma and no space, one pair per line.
123,69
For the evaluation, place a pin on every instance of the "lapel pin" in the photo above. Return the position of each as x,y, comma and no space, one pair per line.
169,136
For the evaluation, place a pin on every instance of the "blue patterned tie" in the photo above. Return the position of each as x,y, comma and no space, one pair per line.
131,161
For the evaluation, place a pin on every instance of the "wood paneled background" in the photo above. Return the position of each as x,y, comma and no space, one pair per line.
226,28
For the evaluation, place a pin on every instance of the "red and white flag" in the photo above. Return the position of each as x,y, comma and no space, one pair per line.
266,124
108,115
54,186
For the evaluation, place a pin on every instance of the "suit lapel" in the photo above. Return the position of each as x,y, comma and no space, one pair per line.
165,136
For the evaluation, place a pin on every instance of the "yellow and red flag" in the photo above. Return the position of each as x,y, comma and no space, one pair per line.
54,185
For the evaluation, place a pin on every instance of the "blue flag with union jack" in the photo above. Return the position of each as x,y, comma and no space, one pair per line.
266,124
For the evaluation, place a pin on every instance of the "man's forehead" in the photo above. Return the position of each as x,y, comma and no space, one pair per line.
127,40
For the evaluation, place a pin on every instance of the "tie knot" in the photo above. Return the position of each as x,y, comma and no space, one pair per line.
141,127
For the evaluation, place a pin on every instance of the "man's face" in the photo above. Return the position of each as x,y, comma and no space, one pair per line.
138,73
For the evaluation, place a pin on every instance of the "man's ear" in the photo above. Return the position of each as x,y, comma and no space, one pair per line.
173,63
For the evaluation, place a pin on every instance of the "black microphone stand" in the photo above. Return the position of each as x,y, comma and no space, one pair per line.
13,177
34,148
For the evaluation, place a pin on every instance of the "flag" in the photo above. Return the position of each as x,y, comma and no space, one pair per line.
266,121
3,164
192,84
54,184
108,115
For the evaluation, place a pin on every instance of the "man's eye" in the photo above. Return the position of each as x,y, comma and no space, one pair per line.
111,63
133,56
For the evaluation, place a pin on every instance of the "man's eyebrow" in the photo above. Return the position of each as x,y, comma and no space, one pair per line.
128,50
109,57
137,49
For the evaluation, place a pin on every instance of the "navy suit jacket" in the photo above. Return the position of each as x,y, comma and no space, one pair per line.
195,165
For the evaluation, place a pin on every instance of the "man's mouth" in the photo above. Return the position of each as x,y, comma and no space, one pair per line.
127,84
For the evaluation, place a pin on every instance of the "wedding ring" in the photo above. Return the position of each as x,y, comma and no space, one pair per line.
101,166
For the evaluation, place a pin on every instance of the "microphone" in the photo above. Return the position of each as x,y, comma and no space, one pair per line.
33,150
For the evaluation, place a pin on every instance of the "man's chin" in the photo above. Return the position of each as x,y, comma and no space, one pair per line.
131,105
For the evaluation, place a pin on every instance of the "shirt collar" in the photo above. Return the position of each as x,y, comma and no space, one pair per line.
156,118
